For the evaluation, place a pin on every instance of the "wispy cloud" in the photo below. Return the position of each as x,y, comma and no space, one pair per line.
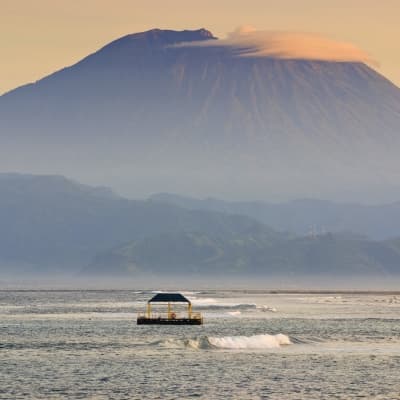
250,42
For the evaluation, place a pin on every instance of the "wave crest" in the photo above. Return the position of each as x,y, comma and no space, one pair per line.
250,342
264,341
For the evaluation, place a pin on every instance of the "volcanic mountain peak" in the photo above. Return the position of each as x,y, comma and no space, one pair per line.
290,127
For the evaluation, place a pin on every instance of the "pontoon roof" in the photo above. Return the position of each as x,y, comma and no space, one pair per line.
169,298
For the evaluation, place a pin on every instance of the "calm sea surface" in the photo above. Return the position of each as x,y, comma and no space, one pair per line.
86,345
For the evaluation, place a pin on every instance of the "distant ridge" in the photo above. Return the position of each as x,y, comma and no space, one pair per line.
51,225
304,216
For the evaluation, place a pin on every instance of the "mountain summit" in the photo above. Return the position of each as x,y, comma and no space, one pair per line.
145,43
159,37
150,112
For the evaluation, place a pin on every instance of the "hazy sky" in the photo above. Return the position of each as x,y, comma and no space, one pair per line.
38,37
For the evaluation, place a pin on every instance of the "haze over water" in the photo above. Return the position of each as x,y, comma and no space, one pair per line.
253,345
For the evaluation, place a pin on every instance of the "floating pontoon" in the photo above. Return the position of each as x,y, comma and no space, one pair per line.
171,317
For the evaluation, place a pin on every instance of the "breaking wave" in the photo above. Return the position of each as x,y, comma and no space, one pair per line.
250,342
234,313
213,304
227,306
265,308
230,342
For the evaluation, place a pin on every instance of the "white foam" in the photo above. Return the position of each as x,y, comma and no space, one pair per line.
190,293
256,342
202,301
234,313
212,303
267,308
250,342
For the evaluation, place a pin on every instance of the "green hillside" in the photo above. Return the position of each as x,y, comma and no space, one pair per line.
254,252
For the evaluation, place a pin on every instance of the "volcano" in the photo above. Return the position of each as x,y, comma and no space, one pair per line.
150,113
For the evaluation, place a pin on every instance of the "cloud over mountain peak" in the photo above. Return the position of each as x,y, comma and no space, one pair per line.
250,42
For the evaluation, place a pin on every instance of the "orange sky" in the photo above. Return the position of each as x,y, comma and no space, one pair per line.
38,37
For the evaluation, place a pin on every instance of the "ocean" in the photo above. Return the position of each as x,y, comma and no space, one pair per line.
85,344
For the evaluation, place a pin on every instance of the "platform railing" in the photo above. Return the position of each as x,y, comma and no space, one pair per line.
196,315
193,315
